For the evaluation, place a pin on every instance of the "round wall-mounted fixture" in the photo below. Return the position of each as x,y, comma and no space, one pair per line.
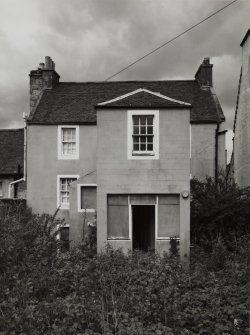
185,194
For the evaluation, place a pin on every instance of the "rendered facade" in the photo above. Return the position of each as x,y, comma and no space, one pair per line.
121,154
240,163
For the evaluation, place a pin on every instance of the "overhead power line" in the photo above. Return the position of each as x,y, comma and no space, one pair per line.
169,41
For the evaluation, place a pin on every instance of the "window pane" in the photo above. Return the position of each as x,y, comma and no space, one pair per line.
136,130
150,147
136,139
149,120
64,189
166,199
136,147
143,129
168,220
118,222
142,199
136,120
88,197
121,199
150,130
143,120
143,139
143,146
149,139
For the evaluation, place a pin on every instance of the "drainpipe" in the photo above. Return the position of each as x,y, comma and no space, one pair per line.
216,153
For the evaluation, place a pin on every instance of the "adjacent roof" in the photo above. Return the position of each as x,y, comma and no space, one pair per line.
71,103
143,98
245,38
11,151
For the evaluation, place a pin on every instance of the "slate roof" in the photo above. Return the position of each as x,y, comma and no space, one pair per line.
11,151
143,98
74,103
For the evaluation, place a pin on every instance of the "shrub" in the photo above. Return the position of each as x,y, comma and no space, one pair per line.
44,291
219,208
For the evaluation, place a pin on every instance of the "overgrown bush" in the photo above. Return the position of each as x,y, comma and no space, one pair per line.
45,291
219,209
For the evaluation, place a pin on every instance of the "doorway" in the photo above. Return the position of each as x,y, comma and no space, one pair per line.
143,224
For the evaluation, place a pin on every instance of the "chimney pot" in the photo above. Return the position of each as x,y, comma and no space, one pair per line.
47,62
41,66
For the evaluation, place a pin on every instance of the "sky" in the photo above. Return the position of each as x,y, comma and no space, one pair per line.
89,40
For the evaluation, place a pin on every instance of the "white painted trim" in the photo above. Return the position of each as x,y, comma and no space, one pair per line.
130,227
190,140
59,176
156,218
80,210
148,155
59,143
147,91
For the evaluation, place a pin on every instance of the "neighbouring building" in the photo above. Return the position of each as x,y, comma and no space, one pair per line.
12,183
240,164
121,154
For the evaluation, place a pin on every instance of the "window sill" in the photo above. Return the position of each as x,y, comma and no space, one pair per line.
68,157
143,154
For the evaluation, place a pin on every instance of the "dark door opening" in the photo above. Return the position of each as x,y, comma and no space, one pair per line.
143,221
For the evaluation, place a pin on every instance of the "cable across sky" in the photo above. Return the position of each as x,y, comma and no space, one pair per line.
169,41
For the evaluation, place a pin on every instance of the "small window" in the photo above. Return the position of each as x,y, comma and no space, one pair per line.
68,142
1,188
87,197
63,190
143,134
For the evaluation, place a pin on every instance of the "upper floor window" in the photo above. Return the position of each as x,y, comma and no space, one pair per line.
143,134
68,142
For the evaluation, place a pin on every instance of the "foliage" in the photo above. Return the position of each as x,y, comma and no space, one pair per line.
45,291
219,208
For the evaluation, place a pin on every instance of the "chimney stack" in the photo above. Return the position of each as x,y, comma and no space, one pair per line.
204,74
45,77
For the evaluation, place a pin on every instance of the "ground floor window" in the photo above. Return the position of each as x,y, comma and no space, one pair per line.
143,218
86,197
63,188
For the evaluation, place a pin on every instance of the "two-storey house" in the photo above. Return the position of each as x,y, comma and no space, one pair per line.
121,154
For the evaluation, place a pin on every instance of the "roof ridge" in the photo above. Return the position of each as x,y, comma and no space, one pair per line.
126,81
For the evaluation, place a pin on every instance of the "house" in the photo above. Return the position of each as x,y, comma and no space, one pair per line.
240,164
12,183
121,153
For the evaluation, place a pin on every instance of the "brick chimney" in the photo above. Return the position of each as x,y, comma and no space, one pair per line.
45,77
204,74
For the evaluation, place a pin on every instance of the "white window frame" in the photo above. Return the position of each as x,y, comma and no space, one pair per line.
80,210
143,154
59,177
59,141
